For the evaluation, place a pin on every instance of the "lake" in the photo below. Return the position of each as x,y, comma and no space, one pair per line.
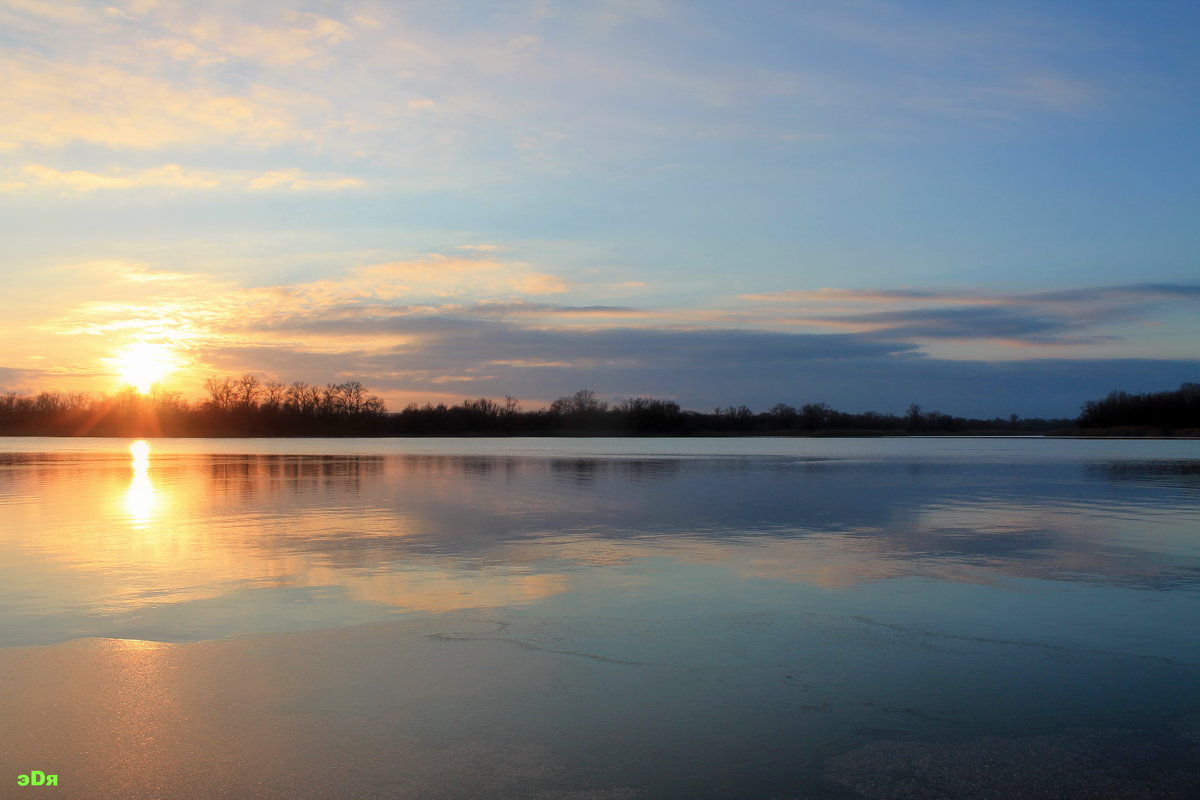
601,618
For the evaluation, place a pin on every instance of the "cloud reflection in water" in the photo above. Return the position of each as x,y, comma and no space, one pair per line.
285,540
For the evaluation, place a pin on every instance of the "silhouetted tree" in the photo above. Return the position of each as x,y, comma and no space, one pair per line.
1171,410
783,416
247,390
582,402
273,394
815,415
914,418
221,391
644,415
579,411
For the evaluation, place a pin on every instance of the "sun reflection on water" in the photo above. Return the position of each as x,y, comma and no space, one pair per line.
140,497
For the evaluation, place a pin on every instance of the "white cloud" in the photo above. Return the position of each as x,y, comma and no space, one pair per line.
60,11
173,176
53,104
166,176
197,308
295,180
536,283
297,39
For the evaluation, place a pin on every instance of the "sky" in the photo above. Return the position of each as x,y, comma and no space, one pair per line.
984,209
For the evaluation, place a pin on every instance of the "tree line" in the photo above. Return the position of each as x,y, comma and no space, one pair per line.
1172,411
248,406
584,414
242,406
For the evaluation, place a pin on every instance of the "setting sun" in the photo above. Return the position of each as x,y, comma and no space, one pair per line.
143,364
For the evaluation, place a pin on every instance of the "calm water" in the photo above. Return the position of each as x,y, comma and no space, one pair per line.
717,618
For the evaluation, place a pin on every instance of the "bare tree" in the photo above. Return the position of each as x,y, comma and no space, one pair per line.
221,392
273,393
247,390
332,401
581,403
815,415
303,398
354,395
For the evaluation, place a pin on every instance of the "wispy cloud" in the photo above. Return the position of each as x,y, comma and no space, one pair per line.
444,327
54,103
1063,317
290,40
662,151
168,176
495,299
991,322
296,180
34,177
139,75
198,307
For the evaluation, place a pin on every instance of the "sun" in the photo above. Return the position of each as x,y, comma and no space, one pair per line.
143,364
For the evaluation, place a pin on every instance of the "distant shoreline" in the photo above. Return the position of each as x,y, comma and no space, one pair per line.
249,408
1096,433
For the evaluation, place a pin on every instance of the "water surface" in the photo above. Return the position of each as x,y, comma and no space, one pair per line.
637,617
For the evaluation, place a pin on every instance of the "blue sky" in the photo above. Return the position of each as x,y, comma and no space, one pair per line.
985,208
